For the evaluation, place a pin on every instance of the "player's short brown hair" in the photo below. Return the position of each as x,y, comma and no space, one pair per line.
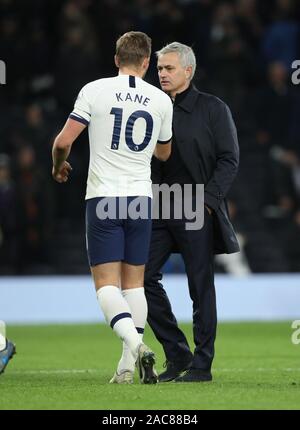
132,48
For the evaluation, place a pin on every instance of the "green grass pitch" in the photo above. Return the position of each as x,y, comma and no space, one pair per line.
68,367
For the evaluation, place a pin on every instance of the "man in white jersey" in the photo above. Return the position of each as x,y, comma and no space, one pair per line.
129,120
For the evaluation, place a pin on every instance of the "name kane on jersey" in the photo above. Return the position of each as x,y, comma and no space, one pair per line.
122,97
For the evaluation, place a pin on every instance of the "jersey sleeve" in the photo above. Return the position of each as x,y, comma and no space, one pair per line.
82,108
165,134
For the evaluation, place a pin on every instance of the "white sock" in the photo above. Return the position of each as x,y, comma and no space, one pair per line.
2,342
135,297
118,316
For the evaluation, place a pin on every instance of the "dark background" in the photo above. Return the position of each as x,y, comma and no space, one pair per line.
244,50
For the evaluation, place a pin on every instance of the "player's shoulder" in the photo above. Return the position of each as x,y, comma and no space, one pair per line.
92,90
98,84
158,93
154,89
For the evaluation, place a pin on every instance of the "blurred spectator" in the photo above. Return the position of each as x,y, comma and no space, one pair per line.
143,13
168,23
281,40
78,58
8,222
232,65
273,113
34,210
249,22
275,105
197,28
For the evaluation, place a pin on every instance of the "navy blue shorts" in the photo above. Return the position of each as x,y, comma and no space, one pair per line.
119,237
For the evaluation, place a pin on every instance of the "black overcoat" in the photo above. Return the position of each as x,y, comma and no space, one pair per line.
207,142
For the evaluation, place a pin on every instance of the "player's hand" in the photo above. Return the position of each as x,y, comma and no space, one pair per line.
62,175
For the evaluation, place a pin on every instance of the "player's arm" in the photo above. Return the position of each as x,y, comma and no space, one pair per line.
163,150
163,147
62,147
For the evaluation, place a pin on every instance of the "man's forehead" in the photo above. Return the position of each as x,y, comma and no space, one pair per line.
171,58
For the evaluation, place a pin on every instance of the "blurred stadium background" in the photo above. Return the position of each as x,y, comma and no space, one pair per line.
245,50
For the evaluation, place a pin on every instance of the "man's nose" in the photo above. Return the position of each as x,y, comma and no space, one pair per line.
162,74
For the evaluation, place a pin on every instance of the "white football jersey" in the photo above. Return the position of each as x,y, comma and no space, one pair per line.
126,117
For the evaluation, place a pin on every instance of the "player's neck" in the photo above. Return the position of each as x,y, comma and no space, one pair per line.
132,72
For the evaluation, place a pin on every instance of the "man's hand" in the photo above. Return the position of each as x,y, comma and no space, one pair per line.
62,174
210,211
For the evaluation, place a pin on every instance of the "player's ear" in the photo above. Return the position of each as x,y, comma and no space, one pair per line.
146,63
117,63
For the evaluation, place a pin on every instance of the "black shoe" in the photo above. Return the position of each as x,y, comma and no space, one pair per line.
174,369
195,375
6,354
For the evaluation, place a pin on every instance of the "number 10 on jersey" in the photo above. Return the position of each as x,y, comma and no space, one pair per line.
118,113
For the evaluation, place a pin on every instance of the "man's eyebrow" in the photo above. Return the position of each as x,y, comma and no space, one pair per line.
159,66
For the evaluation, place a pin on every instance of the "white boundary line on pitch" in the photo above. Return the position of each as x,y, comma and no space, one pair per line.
53,372
84,371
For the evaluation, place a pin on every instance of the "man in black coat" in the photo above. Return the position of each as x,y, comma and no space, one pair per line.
204,151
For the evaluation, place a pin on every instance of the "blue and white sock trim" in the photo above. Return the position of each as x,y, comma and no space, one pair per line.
119,317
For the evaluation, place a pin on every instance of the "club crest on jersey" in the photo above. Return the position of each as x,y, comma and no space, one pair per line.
136,98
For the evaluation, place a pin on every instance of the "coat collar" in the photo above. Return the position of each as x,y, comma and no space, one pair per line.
188,102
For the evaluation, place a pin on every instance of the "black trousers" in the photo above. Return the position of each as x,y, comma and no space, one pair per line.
196,248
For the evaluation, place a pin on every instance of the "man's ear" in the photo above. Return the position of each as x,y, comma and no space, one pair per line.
188,72
117,63
145,63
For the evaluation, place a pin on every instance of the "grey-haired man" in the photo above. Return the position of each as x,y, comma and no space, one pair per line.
205,151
